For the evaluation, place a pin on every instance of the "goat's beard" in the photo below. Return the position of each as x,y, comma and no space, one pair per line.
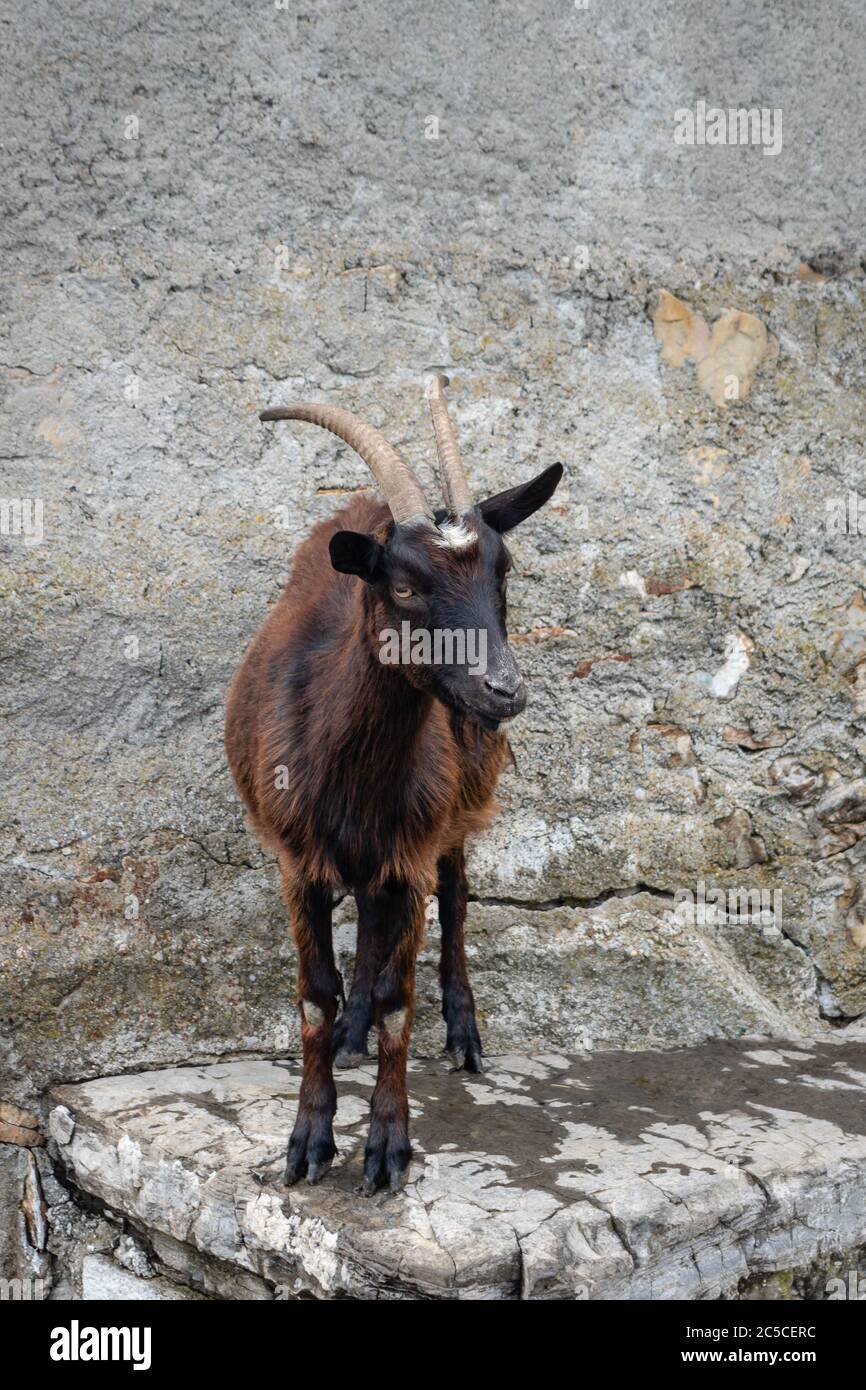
466,712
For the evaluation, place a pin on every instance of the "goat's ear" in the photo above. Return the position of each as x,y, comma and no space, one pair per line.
507,509
354,553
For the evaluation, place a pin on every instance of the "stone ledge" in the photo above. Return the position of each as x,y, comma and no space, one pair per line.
609,1176
103,1279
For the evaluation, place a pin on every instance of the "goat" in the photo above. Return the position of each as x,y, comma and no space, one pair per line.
367,777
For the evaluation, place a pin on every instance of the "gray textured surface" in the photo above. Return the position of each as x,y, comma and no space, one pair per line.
689,1174
279,227
102,1278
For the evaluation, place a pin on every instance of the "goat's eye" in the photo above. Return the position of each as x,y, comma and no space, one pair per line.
400,591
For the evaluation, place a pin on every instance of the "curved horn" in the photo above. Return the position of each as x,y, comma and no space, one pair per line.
454,483
400,487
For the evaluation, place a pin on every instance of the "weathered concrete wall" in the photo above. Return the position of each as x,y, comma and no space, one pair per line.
210,208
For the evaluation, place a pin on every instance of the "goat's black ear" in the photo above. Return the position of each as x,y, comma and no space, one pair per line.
507,509
354,553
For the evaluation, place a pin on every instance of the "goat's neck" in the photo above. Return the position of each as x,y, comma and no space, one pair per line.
379,700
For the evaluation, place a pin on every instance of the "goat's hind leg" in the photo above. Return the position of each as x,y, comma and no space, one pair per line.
356,1020
311,1145
458,1003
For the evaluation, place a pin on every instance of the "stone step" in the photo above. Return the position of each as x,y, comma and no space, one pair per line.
614,1175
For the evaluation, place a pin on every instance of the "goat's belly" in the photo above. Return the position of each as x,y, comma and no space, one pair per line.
370,860
341,845
357,826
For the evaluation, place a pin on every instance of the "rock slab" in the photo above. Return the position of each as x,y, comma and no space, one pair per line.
620,1175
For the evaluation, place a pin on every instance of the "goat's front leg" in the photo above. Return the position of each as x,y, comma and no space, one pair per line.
311,1146
356,1020
458,1004
401,919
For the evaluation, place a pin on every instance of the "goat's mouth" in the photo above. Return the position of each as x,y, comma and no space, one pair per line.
490,716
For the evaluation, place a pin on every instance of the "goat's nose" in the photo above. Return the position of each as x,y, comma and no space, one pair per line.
503,682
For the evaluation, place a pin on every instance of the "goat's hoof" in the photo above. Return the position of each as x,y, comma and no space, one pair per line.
468,1060
310,1155
316,1171
463,1046
395,1182
346,1058
462,1039
349,1043
386,1164
397,1179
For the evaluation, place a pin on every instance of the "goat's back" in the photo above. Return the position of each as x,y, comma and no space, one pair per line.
313,609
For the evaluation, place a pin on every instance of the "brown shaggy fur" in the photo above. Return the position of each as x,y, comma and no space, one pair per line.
359,779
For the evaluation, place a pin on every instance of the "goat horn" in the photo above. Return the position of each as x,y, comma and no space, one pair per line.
400,487
458,499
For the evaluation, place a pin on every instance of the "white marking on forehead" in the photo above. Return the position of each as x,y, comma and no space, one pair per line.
457,535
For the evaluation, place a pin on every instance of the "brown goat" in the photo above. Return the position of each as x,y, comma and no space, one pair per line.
367,774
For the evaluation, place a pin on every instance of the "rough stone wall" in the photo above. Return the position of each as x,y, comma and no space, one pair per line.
211,208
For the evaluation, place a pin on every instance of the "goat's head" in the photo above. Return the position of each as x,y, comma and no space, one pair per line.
437,580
